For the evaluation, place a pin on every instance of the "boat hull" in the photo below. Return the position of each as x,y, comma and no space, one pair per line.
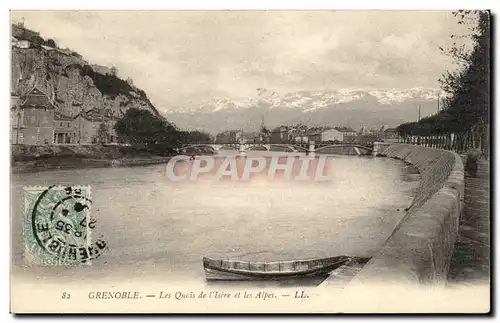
312,268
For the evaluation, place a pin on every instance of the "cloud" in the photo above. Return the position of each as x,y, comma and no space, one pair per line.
186,57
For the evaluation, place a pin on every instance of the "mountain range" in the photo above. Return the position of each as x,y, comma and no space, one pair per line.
354,107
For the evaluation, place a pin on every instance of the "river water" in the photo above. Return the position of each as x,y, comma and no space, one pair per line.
157,228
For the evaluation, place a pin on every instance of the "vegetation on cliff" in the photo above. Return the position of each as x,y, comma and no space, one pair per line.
70,81
76,86
141,127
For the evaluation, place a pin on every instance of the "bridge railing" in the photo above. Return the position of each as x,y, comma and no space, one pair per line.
456,142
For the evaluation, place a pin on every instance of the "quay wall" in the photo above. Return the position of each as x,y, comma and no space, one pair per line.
419,250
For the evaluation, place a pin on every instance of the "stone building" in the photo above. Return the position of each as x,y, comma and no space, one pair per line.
19,31
64,129
327,136
32,117
21,43
88,125
347,131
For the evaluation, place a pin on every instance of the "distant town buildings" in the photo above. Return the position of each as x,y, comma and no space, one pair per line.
346,131
391,133
331,135
230,136
281,135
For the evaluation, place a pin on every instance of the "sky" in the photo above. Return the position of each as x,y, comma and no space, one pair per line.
183,58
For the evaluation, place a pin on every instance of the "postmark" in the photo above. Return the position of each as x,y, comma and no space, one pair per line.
58,226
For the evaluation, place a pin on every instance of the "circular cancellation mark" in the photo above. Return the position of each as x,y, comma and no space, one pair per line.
59,226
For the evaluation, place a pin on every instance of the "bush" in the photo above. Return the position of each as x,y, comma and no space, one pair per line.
51,43
108,84
75,54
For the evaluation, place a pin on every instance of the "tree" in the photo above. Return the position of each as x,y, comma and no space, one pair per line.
139,126
196,137
469,87
466,108
102,134
113,71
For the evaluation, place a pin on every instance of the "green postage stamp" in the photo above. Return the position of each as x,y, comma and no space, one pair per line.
58,226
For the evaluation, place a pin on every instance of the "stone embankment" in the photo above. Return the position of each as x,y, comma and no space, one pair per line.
26,158
420,249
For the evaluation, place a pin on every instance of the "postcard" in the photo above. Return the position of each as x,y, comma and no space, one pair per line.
250,162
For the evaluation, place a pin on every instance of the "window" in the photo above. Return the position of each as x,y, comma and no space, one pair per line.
60,124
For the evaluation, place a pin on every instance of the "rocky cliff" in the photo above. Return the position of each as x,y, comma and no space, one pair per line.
71,83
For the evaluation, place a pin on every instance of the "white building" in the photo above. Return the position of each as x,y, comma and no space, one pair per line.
301,139
101,69
332,135
327,135
20,43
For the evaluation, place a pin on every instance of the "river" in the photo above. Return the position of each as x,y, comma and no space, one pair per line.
157,228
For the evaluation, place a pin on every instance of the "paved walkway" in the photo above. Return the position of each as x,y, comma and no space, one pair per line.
471,261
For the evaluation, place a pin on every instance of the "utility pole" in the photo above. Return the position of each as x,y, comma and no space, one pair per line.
18,125
418,112
438,101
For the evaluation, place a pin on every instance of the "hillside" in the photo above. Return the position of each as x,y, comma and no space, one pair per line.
72,83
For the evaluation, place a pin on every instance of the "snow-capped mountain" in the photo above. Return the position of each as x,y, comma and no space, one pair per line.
356,107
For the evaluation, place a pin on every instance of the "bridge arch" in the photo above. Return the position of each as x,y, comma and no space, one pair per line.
344,149
257,148
201,148
274,147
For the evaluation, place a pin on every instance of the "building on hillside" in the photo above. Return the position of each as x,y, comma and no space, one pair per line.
64,129
32,117
20,43
101,69
21,32
327,136
94,127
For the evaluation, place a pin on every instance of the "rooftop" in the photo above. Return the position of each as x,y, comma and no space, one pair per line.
61,116
36,98
94,115
345,129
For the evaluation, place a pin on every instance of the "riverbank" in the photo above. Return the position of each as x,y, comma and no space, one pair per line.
28,158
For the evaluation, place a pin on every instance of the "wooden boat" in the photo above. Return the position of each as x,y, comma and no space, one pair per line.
243,270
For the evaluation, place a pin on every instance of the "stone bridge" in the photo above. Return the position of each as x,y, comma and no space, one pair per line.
343,149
